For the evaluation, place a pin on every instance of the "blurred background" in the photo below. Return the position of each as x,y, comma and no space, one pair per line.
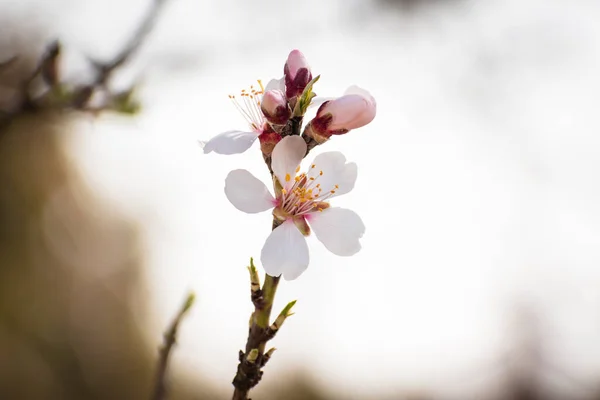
478,184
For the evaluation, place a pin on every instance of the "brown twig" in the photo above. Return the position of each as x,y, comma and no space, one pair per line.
249,371
170,338
104,70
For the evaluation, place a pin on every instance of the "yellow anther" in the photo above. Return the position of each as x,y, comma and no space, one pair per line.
312,166
332,191
337,186
312,178
287,177
320,209
298,169
320,173
283,191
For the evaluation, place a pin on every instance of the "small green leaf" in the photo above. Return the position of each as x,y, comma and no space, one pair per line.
305,98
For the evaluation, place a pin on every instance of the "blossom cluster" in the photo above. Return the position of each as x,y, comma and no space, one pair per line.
301,200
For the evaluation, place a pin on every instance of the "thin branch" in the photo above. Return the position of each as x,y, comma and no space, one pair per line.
170,338
249,371
132,45
104,70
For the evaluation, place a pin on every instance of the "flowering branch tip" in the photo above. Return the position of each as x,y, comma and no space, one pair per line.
300,200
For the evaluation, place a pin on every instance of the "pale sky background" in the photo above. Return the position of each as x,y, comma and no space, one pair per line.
478,184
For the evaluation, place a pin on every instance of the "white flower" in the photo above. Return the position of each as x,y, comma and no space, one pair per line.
302,205
235,142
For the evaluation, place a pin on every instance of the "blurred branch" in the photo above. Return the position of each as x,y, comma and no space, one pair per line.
62,96
170,338
105,69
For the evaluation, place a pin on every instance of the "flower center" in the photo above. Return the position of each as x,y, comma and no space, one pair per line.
249,106
306,194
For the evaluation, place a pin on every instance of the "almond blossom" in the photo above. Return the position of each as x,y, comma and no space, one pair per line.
249,105
300,206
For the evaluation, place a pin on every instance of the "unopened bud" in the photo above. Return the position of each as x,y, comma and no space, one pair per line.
268,139
297,74
356,108
275,107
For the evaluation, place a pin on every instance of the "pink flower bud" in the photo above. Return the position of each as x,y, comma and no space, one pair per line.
275,107
356,108
297,74
268,139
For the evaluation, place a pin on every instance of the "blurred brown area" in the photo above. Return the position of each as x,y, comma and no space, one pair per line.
71,304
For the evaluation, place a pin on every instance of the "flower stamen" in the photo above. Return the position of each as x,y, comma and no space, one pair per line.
249,106
306,194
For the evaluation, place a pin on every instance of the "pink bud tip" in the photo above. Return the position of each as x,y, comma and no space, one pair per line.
271,100
295,62
353,110
297,74
275,108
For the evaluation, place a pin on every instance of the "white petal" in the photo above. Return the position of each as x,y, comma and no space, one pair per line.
339,229
317,101
335,172
359,91
286,158
247,193
230,142
276,84
285,252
